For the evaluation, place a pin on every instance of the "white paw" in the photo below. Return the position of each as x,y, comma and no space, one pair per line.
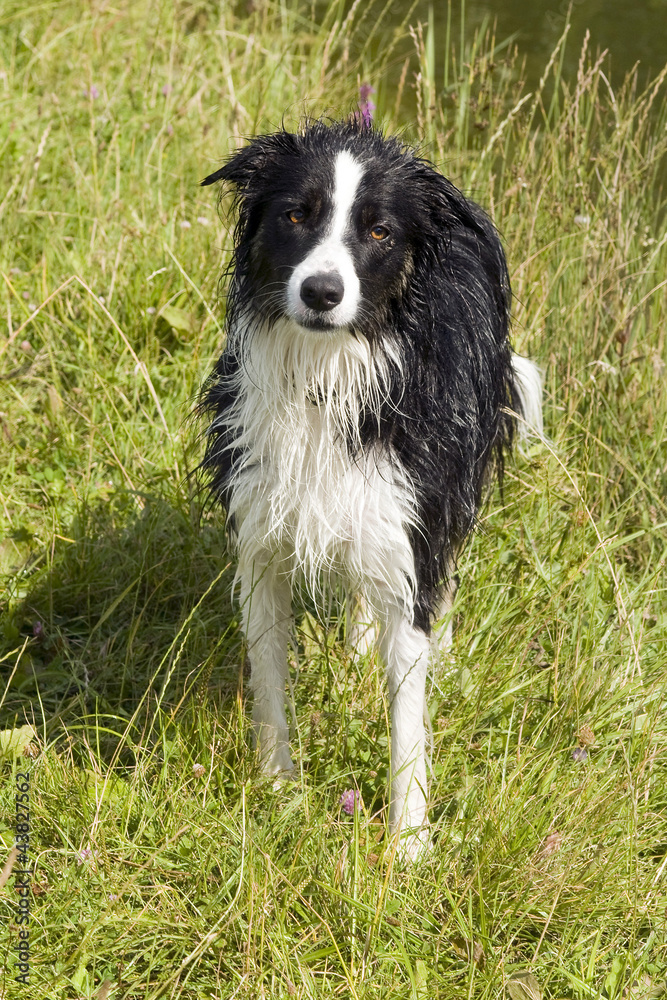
283,778
413,845
276,762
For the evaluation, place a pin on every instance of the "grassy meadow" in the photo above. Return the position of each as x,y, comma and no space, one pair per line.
164,865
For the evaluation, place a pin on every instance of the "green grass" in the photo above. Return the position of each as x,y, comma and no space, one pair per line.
121,644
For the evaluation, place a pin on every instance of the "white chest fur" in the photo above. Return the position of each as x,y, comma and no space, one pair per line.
297,494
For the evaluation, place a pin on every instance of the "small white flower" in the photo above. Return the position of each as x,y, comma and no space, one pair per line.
150,311
582,220
184,224
603,366
202,220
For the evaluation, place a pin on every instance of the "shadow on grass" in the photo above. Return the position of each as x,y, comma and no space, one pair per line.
130,612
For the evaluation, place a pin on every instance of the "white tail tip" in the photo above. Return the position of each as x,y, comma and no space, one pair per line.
528,384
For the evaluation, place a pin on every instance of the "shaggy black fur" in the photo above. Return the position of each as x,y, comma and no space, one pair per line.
439,289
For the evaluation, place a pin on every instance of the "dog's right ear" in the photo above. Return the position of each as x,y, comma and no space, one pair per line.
240,168
252,159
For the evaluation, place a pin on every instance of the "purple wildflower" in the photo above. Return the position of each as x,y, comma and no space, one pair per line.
366,106
351,799
166,90
85,855
579,755
37,627
93,92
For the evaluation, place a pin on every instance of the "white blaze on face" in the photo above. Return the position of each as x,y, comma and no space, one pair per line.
331,255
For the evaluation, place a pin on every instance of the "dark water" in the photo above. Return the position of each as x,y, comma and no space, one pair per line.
632,30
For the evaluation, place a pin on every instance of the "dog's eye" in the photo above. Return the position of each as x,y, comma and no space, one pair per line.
379,232
296,215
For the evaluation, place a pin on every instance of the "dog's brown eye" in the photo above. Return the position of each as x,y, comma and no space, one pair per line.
379,232
296,215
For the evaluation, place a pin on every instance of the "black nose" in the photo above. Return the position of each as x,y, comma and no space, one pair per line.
323,291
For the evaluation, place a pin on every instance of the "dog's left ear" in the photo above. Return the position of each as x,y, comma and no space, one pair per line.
252,160
446,205
460,222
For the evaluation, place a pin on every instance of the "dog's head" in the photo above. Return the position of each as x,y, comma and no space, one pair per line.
332,221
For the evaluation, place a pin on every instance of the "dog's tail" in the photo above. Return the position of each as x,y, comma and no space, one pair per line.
528,387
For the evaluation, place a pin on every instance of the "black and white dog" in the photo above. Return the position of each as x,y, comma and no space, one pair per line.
366,390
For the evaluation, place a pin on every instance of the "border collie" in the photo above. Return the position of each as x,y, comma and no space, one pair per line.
366,390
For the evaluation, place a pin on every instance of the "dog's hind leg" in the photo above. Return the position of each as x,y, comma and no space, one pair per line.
362,628
267,615
442,626
406,653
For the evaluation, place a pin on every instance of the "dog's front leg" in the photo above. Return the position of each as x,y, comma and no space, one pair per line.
267,614
406,653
